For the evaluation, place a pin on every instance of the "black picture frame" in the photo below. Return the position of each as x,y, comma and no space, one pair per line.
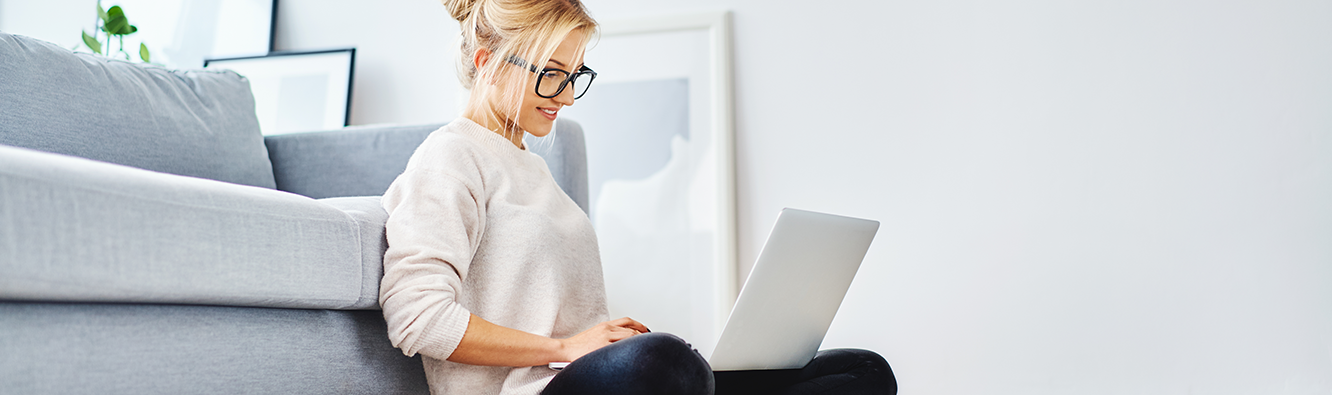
277,61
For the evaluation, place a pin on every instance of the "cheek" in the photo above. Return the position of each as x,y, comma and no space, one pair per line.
531,100
533,122
527,109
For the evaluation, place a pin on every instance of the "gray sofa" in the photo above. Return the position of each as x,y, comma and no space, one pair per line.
153,241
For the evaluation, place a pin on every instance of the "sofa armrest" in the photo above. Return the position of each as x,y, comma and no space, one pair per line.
78,230
355,161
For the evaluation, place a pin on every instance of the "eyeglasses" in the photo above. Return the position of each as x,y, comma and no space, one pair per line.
551,81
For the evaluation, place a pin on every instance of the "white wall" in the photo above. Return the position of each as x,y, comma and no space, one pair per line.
1077,197
57,21
1112,197
1126,197
404,54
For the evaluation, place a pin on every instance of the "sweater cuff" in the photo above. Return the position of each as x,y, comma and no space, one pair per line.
442,336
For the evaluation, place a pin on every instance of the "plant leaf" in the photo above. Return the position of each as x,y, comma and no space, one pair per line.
143,53
116,26
132,29
92,43
116,22
101,12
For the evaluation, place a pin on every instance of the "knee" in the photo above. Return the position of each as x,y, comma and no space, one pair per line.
866,364
657,343
663,352
651,363
853,356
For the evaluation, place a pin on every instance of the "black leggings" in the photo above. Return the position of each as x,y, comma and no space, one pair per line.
660,363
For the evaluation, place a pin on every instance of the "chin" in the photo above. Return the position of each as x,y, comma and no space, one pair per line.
541,129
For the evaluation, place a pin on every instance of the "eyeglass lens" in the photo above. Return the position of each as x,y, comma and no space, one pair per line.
551,82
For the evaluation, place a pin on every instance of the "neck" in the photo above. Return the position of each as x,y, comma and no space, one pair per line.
509,130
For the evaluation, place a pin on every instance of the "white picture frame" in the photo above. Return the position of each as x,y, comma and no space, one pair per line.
183,33
630,51
297,91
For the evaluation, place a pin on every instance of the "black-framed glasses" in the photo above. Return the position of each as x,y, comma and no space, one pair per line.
551,81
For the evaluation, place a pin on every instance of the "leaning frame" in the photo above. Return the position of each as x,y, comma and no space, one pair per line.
718,26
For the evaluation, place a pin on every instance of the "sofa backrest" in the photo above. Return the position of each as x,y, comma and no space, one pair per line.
364,160
194,123
354,161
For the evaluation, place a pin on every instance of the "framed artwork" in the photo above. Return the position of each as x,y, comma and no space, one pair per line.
297,91
661,170
182,33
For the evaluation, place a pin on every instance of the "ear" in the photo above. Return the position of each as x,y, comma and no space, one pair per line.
481,57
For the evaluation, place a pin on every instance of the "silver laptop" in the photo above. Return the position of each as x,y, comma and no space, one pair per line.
793,292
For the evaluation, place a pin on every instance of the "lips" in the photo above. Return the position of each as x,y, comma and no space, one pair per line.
550,113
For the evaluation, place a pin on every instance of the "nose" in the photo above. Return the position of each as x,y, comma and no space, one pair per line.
566,97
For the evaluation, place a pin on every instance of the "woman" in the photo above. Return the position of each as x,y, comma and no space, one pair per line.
492,272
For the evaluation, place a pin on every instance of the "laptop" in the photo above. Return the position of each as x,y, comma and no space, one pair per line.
793,292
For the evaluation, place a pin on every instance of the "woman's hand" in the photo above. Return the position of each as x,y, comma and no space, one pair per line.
599,336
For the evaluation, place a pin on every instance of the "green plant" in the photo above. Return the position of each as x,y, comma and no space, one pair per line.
116,26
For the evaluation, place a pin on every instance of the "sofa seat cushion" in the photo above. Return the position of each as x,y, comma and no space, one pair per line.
131,349
194,123
73,229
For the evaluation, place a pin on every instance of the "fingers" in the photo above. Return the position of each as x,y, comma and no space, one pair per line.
622,328
620,334
627,322
601,335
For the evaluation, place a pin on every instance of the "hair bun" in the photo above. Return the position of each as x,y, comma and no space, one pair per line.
459,9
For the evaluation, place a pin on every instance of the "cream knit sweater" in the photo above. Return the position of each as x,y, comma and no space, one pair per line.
478,226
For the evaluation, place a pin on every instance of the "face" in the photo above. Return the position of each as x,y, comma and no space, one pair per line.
536,114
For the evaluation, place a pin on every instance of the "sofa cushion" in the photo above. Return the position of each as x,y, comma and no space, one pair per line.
193,123
77,230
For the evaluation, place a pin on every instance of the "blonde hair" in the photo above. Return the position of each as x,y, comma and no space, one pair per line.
528,29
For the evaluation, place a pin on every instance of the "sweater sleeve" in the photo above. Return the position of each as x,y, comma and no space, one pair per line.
434,226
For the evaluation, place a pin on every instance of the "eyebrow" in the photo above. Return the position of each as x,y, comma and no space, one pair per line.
559,63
